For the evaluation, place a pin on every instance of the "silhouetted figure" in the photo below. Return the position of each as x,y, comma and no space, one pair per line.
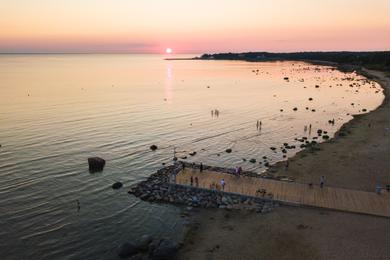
322,181
287,164
192,181
78,205
201,167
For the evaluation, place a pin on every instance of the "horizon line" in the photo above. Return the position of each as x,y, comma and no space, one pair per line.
155,53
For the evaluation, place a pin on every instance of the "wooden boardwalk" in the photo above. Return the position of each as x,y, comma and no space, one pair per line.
295,193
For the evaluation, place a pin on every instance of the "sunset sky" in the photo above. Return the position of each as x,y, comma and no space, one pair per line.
193,26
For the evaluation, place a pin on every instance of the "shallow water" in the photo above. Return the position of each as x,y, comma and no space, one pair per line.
58,110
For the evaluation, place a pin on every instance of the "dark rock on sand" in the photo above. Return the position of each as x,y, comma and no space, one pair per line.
117,185
228,150
295,108
192,153
252,160
153,147
126,250
96,164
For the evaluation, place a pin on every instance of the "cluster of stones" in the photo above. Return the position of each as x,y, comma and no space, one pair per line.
158,188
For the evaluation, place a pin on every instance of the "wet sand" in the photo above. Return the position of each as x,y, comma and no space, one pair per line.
356,161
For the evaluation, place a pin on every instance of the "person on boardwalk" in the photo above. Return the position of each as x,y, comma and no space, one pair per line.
223,184
196,182
201,167
378,188
192,181
322,181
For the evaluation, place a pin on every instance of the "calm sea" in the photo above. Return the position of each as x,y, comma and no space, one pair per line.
58,110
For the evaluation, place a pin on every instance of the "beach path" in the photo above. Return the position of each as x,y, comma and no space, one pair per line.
293,193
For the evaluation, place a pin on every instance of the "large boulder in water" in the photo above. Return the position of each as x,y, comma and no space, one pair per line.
127,250
96,164
165,250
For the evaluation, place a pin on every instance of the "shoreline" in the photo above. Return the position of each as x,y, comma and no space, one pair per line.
360,121
356,160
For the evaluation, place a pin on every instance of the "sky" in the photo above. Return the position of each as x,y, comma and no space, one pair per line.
193,26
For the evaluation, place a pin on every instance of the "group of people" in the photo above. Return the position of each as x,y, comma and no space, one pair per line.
196,181
305,129
221,186
215,112
258,125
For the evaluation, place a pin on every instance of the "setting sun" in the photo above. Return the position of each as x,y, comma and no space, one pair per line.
168,50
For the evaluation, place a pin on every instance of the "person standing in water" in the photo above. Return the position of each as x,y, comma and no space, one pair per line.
78,205
192,181
201,167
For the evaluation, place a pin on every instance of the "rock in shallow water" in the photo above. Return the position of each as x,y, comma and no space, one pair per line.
96,164
117,185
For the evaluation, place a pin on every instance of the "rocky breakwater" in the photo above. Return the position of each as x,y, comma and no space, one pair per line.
159,188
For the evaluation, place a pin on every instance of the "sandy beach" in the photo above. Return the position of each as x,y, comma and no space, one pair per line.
359,160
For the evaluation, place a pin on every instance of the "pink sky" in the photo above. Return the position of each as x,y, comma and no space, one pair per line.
193,26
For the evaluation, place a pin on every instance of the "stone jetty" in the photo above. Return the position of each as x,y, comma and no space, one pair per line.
161,187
